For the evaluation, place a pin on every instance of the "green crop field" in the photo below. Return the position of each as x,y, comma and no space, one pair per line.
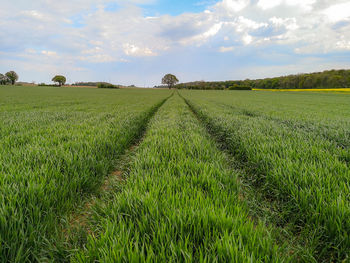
134,175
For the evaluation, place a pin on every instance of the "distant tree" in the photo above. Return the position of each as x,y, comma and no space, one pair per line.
12,76
61,80
4,80
170,80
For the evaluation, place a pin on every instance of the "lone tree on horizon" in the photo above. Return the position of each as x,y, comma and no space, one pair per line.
170,80
12,76
61,80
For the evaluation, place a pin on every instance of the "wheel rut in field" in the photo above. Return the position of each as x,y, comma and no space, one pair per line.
79,220
77,228
262,206
180,193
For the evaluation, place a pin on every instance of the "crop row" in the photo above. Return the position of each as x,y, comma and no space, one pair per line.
326,116
180,203
301,170
55,153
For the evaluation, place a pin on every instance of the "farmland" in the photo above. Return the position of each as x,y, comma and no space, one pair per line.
132,175
56,148
297,152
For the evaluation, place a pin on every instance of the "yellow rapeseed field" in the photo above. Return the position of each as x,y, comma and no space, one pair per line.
345,90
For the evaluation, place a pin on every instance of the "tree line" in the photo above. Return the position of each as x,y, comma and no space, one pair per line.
334,79
215,85
101,85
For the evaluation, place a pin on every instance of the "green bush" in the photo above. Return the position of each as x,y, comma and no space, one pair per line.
104,85
46,85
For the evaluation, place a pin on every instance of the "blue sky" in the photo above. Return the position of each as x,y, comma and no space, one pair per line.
171,7
138,41
167,7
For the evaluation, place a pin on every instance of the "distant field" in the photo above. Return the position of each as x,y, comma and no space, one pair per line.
138,175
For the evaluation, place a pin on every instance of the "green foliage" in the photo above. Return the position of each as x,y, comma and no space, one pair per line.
319,80
46,85
12,77
104,85
54,153
61,80
297,152
4,80
92,84
87,84
203,85
170,80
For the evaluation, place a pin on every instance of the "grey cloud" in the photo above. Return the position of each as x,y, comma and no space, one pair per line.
184,26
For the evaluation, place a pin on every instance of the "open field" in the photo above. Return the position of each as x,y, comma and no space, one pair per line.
297,154
180,202
57,145
132,175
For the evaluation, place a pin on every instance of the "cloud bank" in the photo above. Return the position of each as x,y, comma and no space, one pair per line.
119,41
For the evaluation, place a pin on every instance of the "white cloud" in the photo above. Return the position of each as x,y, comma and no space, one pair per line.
243,24
203,37
226,49
81,32
288,23
109,36
234,5
247,39
338,12
343,43
267,4
133,50
306,5
34,14
49,53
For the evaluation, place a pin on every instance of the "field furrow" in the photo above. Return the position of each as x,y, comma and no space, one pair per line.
138,175
337,133
48,169
302,171
180,203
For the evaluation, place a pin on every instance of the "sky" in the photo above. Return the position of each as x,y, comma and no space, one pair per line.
137,42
